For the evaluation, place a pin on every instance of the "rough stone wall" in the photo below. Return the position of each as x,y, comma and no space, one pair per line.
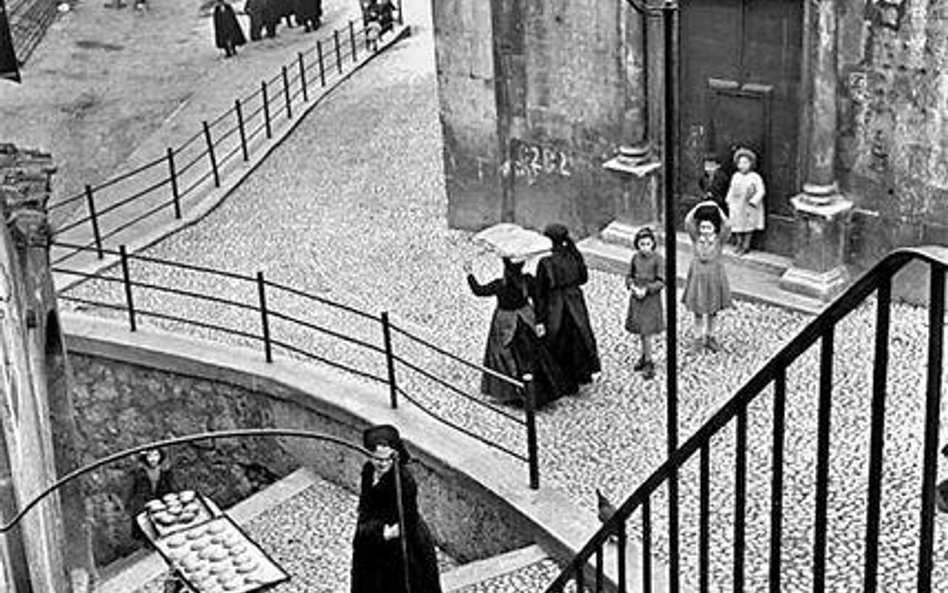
122,405
464,58
893,60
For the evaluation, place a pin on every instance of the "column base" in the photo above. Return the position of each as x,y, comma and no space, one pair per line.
619,232
821,285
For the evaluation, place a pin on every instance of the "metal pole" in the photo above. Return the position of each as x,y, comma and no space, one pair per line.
95,222
126,280
335,35
671,295
173,175
261,290
402,536
266,109
286,94
401,20
240,127
352,40
210,153
322,66
299,59
530,403
389,359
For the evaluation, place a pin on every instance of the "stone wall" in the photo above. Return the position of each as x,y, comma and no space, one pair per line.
893,60
121,405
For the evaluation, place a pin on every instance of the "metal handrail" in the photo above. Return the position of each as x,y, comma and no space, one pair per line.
773,372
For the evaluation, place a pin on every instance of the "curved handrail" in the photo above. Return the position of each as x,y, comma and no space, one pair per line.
833,313
175,441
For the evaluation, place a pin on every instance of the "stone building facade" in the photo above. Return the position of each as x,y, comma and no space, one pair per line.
845,101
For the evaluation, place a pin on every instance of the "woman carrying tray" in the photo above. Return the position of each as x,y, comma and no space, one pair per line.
377,557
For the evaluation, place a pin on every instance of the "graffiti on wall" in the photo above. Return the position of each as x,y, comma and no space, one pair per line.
530,161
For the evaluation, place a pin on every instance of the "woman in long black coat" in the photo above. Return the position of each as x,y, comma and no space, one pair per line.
377,560
227,32
561,310
513,347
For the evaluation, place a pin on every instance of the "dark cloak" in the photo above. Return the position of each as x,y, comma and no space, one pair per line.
311,10
377,563
142,490
561,308
226,27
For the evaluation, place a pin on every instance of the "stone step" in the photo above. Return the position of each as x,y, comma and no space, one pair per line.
526,569
772,263
749,283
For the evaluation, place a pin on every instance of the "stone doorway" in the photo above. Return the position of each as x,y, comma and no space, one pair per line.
740,85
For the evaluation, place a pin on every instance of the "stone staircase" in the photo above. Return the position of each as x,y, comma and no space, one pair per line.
754,276
528,569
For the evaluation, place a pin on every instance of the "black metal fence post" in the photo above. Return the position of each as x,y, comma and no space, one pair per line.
264,318
126,280
335,35
241,129
389,359
173,176
266,109
530,404
90,200
322,63
299,60
401,19
210,154
352,40
286,94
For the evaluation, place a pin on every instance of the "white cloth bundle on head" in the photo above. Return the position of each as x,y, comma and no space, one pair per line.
513,241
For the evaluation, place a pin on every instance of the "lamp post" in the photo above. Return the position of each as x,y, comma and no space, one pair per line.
669,82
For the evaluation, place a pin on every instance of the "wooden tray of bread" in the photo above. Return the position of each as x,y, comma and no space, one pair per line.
214,555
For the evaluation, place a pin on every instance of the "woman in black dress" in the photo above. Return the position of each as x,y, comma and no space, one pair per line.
151,479
377,560
513,347
227,32
561,310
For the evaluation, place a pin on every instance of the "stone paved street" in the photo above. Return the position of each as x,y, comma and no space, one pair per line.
352,208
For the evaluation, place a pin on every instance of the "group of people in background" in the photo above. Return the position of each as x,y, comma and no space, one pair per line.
739,191
540,325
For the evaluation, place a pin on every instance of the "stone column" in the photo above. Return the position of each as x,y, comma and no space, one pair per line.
38,426
634,164
821,213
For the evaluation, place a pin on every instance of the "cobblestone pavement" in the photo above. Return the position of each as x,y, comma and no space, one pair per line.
309,535
352,208
528,578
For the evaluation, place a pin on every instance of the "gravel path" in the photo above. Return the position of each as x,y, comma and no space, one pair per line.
309,535
352,208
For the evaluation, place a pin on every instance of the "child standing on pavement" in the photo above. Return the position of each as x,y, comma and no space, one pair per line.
645,280
745,200
707,290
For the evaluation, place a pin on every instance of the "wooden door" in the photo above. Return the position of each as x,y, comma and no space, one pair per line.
740,85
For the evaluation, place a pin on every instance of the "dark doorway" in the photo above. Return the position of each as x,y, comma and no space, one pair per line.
740,83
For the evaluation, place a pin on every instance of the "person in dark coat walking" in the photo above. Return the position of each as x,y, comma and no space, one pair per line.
227,32
513,346
309,13
377,555
257,11
561,310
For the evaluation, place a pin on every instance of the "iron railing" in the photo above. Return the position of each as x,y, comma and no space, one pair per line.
160,186
280,328
588,566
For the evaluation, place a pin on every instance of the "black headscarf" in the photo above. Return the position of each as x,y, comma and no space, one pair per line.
385,434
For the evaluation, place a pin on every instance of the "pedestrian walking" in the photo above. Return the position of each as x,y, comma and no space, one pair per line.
645,280
284,9
745,200
309,13
227,32
513,346
714,181
562,317
378,18
378,558
707,291
257,11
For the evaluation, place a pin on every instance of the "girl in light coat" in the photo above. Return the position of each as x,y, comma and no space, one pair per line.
745,200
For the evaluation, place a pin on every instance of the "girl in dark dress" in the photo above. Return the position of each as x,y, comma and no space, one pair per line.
377,560
513,347
227,32
645,280
561,310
